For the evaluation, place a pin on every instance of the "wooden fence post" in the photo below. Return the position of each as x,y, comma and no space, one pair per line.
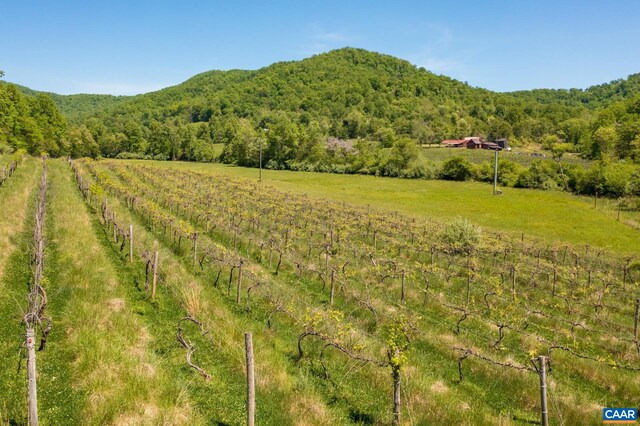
155,276
396,391
333,284
31,374
130,243
239,287
195,249
635,325
326,256
251,382
544,412
513,282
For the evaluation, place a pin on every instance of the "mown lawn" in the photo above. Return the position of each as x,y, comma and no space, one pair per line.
554,217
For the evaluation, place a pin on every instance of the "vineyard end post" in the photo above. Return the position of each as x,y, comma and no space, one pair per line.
635,323
251,383
130,243
155,276
542,371
31,374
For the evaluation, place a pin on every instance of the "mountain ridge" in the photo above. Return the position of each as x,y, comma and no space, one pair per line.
620,82
347,93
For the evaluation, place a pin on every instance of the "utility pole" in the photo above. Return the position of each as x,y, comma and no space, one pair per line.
495,174
264,130
260,176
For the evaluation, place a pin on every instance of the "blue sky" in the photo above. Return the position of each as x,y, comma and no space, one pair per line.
128,47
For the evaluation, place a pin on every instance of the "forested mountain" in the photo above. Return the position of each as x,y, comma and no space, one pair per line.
598,96
76,107
370,103
31,123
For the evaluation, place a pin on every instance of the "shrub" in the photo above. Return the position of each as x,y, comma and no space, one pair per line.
540,175
457,168
421,170
461,236
508,172
616,182
484,172
5,149
634,183
161,157
130,156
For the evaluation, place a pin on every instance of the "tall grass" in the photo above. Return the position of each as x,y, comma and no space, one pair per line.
550,216
115,366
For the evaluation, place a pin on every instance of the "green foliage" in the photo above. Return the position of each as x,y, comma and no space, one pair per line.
460,235
32,123
403,152
508,172
5,148
378,107
457,168
541,175
610,180
81,143
351,94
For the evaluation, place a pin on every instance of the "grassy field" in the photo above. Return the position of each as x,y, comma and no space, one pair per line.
113,357
547,215
525,158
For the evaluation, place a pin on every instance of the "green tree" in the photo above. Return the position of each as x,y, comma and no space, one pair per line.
52,124
135,140
242,149
311,147
498,129
282,138
403,152
603,140
81,142
456,168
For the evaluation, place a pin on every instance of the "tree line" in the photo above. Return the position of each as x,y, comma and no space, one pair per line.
376,109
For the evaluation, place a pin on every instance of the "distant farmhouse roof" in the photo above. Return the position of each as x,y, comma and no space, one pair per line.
453,142
475,142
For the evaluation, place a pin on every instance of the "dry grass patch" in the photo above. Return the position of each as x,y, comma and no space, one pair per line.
116,305
14,197
439,387
114,366
308,411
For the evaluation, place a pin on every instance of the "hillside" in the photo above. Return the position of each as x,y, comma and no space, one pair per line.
76,106
375,101
349,94
597,96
